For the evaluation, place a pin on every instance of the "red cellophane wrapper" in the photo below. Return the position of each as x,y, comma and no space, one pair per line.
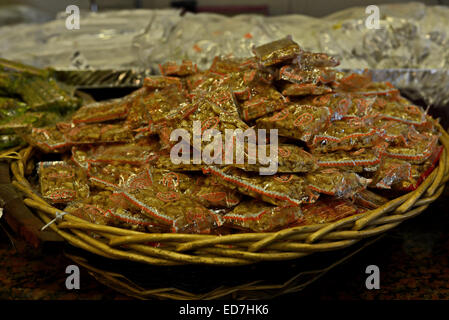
328,210
376,89
170,208
139,118
224,65
357,161
104,208
316,60
97,133
110,176
399,109
216,110
295,74
419,149
160,82
295,89
276,52
283,189
390,172
368,199
116,109
300,122
204,189
354,82
139,152
167,104
342,105
187,67
345,135
259,216
419,172
61,182
48,139
334,182
290,158
263,99
164,161
212,194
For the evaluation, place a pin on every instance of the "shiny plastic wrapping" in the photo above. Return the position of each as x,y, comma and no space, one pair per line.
410,49
278,189
261,217
61,182
411,35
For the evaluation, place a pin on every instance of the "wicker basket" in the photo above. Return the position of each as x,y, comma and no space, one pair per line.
234,249
200,282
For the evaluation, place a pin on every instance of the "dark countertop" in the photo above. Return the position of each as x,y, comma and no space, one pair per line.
413,260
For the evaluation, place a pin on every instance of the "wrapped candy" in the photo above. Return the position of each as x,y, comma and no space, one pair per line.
211,194
160,82
212,111
102,208
354,82
421,148
368,199
138,117
295,89
167,104
164,161
342,105
419,172
294,74
161,179
357,161
111,176
397,111
138,153
263,99
178,212
385,89
187,67
276,52
48,139
290,158
224,65
391,172
97,133
316,59
90,212
115,109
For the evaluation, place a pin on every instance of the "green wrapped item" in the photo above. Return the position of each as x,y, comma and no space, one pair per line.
37,92
29,98
45,94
